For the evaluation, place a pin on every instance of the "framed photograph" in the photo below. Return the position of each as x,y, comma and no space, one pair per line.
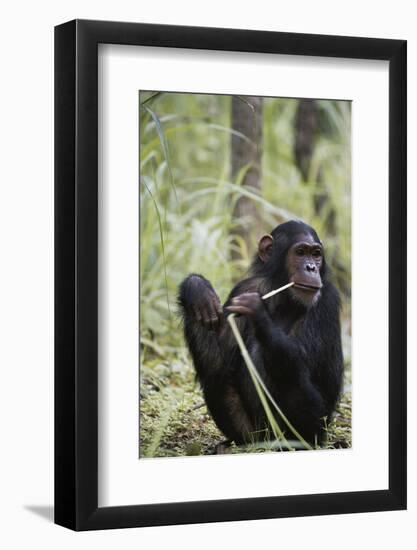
230,255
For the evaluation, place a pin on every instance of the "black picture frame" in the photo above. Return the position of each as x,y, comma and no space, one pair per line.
76,272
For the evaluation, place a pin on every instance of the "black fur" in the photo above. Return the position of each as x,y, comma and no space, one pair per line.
297,350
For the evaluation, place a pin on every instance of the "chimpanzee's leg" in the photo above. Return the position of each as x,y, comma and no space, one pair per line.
209,341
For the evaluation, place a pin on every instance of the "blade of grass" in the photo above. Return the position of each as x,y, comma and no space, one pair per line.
155,95
161,236
248,192
156,440
254,373
164,144
260,390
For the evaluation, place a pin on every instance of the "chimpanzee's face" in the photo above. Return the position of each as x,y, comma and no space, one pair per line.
304,262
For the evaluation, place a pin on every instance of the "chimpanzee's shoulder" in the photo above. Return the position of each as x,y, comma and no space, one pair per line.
330,293
328,306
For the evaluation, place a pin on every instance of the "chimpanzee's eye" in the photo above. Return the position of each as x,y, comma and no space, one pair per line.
300,251
317,253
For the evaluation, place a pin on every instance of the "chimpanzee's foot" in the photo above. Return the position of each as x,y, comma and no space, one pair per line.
223,448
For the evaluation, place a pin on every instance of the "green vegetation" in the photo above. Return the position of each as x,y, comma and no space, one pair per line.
187,200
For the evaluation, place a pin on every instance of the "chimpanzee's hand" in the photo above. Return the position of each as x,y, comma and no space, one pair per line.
208,310
249,303
201,300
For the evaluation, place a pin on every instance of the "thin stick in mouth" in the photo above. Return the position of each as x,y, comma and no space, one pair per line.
276,291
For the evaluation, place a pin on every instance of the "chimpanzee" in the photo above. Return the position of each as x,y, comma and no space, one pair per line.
293,339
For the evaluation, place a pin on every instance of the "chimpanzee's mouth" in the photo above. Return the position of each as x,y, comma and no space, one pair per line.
310,288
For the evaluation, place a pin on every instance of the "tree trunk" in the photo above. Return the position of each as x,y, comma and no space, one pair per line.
306,123
305,131
247,120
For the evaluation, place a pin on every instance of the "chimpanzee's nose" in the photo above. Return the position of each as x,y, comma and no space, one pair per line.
311,267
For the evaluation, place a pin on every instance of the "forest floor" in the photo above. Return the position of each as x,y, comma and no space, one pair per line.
174,420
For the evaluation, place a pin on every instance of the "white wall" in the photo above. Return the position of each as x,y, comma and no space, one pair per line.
26,275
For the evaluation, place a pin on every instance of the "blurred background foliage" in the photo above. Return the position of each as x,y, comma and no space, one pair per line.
217,172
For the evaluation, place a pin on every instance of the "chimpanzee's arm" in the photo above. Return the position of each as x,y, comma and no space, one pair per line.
203,319
277,345
199,300
212,348
278,348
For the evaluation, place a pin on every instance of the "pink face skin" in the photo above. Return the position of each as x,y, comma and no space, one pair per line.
304,261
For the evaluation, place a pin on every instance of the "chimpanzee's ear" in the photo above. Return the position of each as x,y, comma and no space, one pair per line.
265,247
